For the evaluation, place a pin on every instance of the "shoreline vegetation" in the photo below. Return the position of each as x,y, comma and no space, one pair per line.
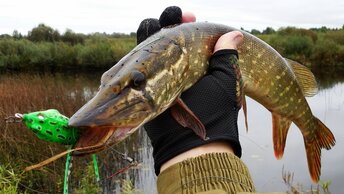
45,49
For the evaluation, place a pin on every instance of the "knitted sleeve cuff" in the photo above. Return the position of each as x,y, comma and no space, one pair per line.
226,52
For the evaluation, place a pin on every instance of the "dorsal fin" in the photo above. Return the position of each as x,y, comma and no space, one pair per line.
305,78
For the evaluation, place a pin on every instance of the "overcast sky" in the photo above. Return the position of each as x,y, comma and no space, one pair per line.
87,16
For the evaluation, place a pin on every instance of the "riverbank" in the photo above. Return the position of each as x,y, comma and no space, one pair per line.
46,50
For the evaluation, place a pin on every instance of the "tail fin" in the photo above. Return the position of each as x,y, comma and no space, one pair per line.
323,139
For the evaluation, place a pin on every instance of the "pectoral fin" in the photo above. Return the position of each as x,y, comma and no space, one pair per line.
280,127
185,117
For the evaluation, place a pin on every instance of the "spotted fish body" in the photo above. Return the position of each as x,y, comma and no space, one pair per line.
153,75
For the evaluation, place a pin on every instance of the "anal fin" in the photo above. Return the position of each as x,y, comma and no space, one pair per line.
185,117
280,127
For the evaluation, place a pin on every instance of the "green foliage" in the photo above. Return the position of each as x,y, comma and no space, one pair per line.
269,30
127,187
45,49
14,54
96,53
292,31
324,52
17,35
88,184
65,56
316,48
336,36
121,46
43,33
70,37
74,52
255,32
325,185
9,180
297,47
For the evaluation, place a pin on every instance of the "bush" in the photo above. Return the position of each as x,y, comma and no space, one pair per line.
336,36
50,51
295,47
288,31
72,38
121,46
65,55
325,53
15,54
43,33
96,53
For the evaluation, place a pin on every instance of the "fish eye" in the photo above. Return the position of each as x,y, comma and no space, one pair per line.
138,78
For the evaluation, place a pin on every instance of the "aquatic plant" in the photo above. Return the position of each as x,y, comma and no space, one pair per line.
297,188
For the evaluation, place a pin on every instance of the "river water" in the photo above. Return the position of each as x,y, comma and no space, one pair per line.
327,105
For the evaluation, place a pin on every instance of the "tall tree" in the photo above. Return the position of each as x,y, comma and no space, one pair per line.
43,33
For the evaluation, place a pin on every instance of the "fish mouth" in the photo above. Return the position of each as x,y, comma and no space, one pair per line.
95,139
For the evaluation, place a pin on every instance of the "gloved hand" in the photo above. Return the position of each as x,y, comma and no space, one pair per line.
215,99
170,16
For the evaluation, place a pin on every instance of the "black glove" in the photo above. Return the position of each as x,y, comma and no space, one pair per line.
213,99
170,16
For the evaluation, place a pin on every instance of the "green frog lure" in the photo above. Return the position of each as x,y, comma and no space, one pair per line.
51,125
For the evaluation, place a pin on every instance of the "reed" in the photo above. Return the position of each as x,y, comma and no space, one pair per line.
22,93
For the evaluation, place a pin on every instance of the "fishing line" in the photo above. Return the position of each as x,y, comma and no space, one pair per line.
251,140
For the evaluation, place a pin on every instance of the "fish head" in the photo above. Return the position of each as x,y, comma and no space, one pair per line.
135,90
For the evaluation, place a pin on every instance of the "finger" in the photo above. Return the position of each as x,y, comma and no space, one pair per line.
147,28
188,17
230,40
170,16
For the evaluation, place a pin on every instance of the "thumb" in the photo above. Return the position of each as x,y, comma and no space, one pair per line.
230,40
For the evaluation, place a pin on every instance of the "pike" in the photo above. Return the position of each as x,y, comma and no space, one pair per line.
151,78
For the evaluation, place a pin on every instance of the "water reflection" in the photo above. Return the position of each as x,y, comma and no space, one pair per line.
327,77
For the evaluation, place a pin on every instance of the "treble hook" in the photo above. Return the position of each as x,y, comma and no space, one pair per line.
17,118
